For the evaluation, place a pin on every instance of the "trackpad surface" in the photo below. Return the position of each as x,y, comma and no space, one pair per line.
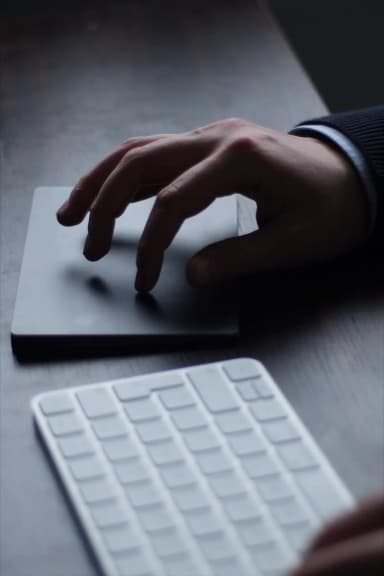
64,300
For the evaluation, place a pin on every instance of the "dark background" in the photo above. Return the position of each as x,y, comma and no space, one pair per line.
341,45
339,42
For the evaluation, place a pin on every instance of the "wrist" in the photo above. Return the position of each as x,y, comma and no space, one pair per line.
341,142
343,188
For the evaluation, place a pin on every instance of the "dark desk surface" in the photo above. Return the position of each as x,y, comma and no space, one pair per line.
75,83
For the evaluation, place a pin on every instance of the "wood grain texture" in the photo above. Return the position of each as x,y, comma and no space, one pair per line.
75,82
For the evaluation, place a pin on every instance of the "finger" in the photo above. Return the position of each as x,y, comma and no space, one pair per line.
187,195
356,557
287,238
369,516
132,179
267,248
83,194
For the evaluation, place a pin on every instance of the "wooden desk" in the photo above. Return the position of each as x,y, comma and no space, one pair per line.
75,83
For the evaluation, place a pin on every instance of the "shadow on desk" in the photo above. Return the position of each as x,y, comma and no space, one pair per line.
272,303
283,300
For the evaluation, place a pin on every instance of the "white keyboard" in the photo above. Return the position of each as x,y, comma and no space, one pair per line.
198,471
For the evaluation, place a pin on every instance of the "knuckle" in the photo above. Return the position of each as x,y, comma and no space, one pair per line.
255,143
242,144
165,199
129,141
235,121
96,215
132,157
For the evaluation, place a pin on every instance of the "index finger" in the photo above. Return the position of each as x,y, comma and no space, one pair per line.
74,209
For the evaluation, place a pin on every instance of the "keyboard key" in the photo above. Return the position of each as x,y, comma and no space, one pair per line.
133,564
269,409
203,522
299,536
97,491
108,515
281,431
241,509
190,498
247,391
180,566
165,453
177,476
271,559
121,539
227,485
263,387
213,462
274,488
296,455
232,422
259,465
121,449
200,440
140,410
217,547
256,532
321,492
188,419
56,404
212,389
242,369
87,468
246,444
153,431
132,390
168,543
179,397
109,428
227,567
74,446
64,424
96,402
159,382
132,471
289,511
156,518
143,495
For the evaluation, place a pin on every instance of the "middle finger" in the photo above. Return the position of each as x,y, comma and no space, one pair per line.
139,173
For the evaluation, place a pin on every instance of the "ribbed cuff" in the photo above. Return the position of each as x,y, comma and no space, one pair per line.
356,158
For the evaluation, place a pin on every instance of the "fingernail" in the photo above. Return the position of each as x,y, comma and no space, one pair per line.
199,271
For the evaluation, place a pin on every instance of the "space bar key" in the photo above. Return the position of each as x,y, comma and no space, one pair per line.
212,389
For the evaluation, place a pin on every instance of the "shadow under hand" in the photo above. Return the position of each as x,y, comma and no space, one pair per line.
148,303
276,302
98,286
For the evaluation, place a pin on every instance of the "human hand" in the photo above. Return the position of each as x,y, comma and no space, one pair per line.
351,545
309,203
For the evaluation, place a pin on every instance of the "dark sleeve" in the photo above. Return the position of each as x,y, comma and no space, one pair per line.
365,128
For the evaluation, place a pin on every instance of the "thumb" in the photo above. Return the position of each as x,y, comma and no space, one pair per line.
235,257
